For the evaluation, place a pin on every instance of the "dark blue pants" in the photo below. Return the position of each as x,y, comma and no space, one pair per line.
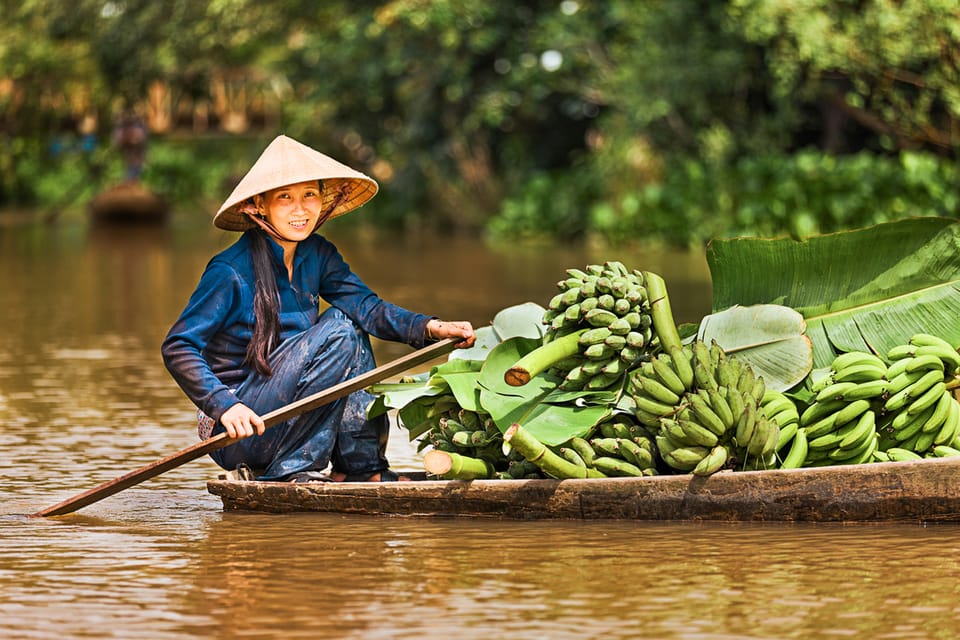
331,351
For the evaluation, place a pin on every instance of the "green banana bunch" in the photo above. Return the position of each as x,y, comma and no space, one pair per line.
865,409
840,425
619,446
921,412
706,407
611,303
782,410
449,427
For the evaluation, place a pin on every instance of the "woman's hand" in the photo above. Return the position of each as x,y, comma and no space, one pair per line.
241,421
439,329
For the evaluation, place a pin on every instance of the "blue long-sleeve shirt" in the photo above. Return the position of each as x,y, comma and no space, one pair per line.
206,347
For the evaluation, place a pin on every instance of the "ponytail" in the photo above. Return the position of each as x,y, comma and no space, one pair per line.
266,314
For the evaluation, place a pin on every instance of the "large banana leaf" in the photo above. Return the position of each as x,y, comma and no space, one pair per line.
769,337
866,290
550,416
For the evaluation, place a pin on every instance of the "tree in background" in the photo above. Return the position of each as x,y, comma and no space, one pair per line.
552,118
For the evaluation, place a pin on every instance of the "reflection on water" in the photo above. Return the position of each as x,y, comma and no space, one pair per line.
84,397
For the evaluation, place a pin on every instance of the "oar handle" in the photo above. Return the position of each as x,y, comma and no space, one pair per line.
272,418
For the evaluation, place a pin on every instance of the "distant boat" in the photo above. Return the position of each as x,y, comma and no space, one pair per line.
129,203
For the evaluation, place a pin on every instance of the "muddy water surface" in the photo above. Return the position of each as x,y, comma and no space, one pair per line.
84,398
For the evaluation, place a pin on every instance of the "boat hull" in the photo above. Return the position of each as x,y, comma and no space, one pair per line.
128,203
910,492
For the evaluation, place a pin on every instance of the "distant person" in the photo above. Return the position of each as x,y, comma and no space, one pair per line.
252,339
130,137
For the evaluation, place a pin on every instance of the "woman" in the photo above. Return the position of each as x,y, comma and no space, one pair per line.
251,338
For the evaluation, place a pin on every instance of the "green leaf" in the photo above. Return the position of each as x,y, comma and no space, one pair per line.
528,405
465,388
768,337
521,320
867,290
487,339
399,394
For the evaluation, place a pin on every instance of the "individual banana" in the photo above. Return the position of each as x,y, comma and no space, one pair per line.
899,382
867,390
798,451
925,362
951,425
857,431
820,410
861,454
941,409
860,373
697,434
945,353
612,466
823,426
746,425
851,411
570,455
765,437
787,434
594,336
850,359
837,390
705,413
897,454
897,366
704,365
906,426
914,390
728,372
936,345
712,462
635,454
901,352
685,458
655,389
927,398
720,406
786,418
667,375
605,446
944,451
774,402
583,449
648,405
681,359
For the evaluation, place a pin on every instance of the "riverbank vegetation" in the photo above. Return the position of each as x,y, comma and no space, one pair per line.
678,121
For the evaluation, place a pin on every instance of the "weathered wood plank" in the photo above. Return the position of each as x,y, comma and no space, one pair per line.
922,491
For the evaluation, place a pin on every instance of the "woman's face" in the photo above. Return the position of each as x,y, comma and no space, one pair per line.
294,209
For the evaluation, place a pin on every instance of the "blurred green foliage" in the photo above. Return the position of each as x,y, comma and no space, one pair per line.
555,120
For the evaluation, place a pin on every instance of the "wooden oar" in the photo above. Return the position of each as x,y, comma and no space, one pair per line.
270,419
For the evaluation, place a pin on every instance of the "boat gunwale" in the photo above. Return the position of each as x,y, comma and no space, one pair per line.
911,491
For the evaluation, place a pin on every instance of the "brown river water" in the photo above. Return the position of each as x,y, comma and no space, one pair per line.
84,398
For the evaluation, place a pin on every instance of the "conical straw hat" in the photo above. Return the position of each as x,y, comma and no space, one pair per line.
286,161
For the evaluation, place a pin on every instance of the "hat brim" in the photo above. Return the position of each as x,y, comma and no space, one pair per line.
286,161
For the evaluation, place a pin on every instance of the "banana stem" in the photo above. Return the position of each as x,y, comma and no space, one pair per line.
453,466
549,462
663,323
542,358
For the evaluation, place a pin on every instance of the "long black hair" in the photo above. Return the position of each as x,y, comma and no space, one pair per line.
266,312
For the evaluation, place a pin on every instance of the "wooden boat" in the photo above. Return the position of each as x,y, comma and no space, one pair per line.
128,203
908,492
